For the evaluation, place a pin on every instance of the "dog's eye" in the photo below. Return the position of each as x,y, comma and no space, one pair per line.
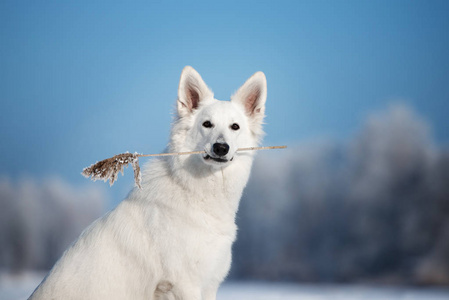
207,124
235,126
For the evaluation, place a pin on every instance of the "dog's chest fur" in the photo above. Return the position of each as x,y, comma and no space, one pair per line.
196,212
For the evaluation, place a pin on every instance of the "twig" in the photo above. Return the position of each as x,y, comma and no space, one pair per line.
109,168
201,152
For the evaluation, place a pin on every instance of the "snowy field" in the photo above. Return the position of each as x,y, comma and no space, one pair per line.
271,291
20,287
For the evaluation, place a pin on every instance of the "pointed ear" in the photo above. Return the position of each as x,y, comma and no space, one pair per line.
252,96
191,91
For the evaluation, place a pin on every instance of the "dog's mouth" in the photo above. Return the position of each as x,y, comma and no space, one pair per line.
217,159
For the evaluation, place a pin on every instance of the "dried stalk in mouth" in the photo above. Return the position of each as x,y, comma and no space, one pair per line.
109,168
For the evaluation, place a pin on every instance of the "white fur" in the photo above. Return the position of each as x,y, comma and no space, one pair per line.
171,239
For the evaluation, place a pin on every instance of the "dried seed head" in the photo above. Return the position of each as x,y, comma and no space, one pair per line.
109,168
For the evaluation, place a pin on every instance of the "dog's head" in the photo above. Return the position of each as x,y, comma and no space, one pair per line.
218,127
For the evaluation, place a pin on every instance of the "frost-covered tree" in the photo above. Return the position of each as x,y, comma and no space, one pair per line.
372,208
39,219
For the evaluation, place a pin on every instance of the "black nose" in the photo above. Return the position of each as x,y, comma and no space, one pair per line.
220,149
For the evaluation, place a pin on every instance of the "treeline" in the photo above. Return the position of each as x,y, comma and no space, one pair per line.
40,219
373,209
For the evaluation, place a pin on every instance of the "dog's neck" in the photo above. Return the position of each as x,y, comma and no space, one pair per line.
223,183
222,189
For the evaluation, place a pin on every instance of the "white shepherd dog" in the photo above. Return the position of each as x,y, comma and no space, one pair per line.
172,239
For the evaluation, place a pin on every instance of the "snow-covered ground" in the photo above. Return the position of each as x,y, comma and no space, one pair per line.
20,287
285,291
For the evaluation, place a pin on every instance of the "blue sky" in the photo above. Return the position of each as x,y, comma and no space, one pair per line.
83,80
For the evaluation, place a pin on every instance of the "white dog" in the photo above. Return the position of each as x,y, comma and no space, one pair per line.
172,239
